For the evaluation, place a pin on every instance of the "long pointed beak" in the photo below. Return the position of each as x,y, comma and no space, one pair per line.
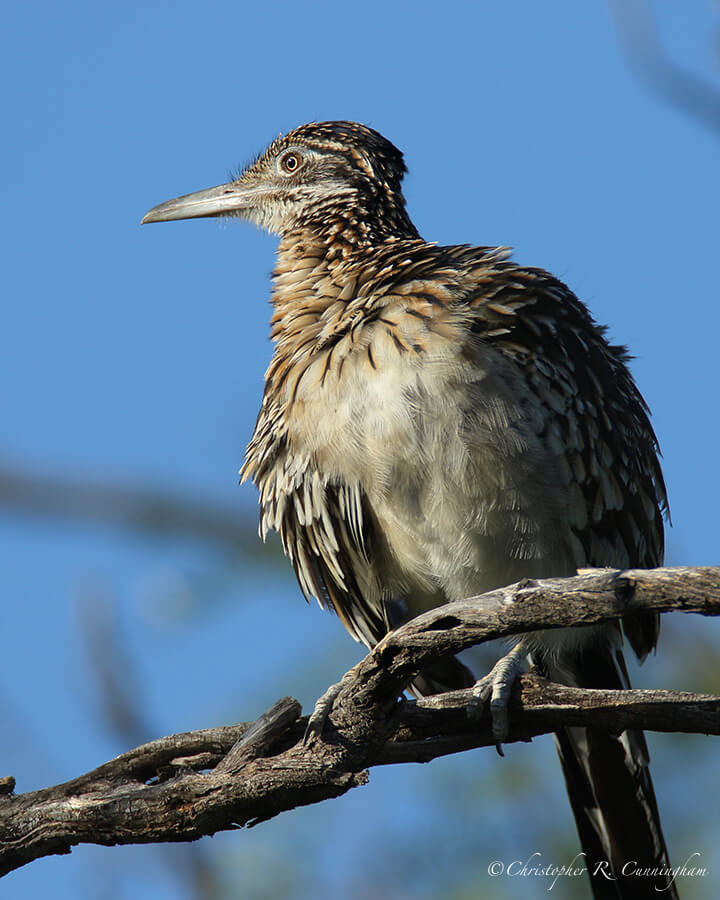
223,200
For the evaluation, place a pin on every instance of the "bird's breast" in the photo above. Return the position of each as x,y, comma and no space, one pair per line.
366,402
461,483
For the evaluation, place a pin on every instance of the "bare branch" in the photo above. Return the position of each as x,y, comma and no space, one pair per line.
134,509
185,786
676,85
121,707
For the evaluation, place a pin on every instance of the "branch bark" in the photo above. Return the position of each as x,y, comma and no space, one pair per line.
182,787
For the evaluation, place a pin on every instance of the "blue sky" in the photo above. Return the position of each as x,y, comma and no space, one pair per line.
136,355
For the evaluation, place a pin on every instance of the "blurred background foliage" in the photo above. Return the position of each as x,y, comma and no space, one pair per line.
137,598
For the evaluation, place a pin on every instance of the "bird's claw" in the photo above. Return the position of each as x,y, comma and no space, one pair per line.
318,717
497,687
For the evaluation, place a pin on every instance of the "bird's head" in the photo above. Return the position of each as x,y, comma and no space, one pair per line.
306,178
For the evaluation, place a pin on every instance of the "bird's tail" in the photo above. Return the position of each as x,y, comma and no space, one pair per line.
611,793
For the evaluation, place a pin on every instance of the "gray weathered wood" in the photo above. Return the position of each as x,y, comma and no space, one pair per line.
182,787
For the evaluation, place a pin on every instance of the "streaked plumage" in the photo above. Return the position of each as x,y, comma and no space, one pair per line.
439,421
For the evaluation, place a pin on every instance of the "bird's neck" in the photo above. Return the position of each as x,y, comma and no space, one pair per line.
323,281
307,280
320,268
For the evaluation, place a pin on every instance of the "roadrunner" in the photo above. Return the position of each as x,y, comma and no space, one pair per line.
438,422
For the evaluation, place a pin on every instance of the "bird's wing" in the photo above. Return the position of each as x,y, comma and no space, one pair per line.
602,423
599,417
324,525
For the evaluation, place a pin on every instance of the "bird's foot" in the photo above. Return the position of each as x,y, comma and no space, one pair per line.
497,686
318,717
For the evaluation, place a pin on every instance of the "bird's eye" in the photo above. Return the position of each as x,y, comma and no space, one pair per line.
291,162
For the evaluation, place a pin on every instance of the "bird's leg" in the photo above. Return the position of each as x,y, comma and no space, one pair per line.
497,685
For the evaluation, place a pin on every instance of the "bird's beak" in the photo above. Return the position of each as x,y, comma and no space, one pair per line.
223,200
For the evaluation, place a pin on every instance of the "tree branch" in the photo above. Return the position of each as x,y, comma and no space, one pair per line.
675,84
182,787
163,513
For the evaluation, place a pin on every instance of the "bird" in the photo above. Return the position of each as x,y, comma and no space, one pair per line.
439,421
